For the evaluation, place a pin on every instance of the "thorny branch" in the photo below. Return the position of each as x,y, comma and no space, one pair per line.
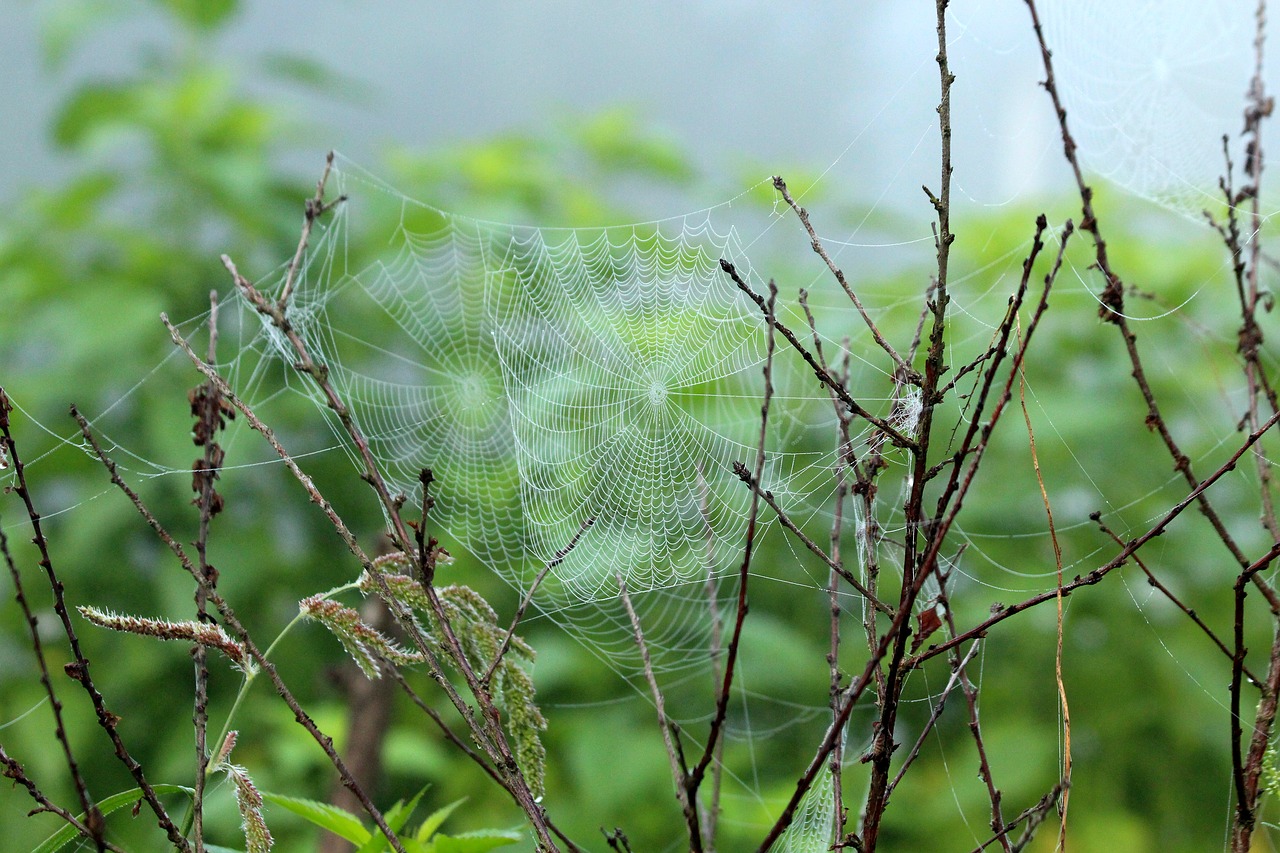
211,414
77,669
241,634
902,367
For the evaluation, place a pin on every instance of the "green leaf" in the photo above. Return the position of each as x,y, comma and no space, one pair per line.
396,817
317,76
201,14
94,108
435,819
65,25
338,821
476,842
618,143
112,803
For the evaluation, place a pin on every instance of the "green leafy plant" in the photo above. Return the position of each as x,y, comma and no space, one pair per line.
425,838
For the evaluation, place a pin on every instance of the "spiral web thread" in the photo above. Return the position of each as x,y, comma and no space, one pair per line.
584,387
1150,89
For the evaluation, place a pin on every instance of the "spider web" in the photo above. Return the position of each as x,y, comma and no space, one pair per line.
581,397
1151,88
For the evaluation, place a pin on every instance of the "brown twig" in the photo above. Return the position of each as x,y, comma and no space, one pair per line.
695,776
556,560
952,683
901,368
1033,817
1129,549
206,405
1177,602
94,823
709,819
1057,659
824,377
314,208
685,793
994,796
838,812
241,633
10,768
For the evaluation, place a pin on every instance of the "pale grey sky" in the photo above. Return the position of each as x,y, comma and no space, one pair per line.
847,85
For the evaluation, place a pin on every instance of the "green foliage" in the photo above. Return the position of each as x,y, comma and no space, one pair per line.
176,163
68,834
425,839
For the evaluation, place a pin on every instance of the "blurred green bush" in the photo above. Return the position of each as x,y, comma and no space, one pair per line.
176,163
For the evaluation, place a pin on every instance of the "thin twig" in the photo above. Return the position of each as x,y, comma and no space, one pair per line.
10,768
556,560
994,796
975,442
1057,660
824,377
1130,548
900,367
1033,816
241,633
1177,602
94,821
679,770
314,208
838,813
744,572
710,816
746,476
938,706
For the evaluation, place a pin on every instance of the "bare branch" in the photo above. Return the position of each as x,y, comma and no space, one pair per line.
901,368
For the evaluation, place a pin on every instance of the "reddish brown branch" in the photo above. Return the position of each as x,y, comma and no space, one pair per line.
231,621
696,775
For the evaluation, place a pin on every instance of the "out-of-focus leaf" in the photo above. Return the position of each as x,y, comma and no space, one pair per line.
618,143
316,75
65,24
93,109
201,14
